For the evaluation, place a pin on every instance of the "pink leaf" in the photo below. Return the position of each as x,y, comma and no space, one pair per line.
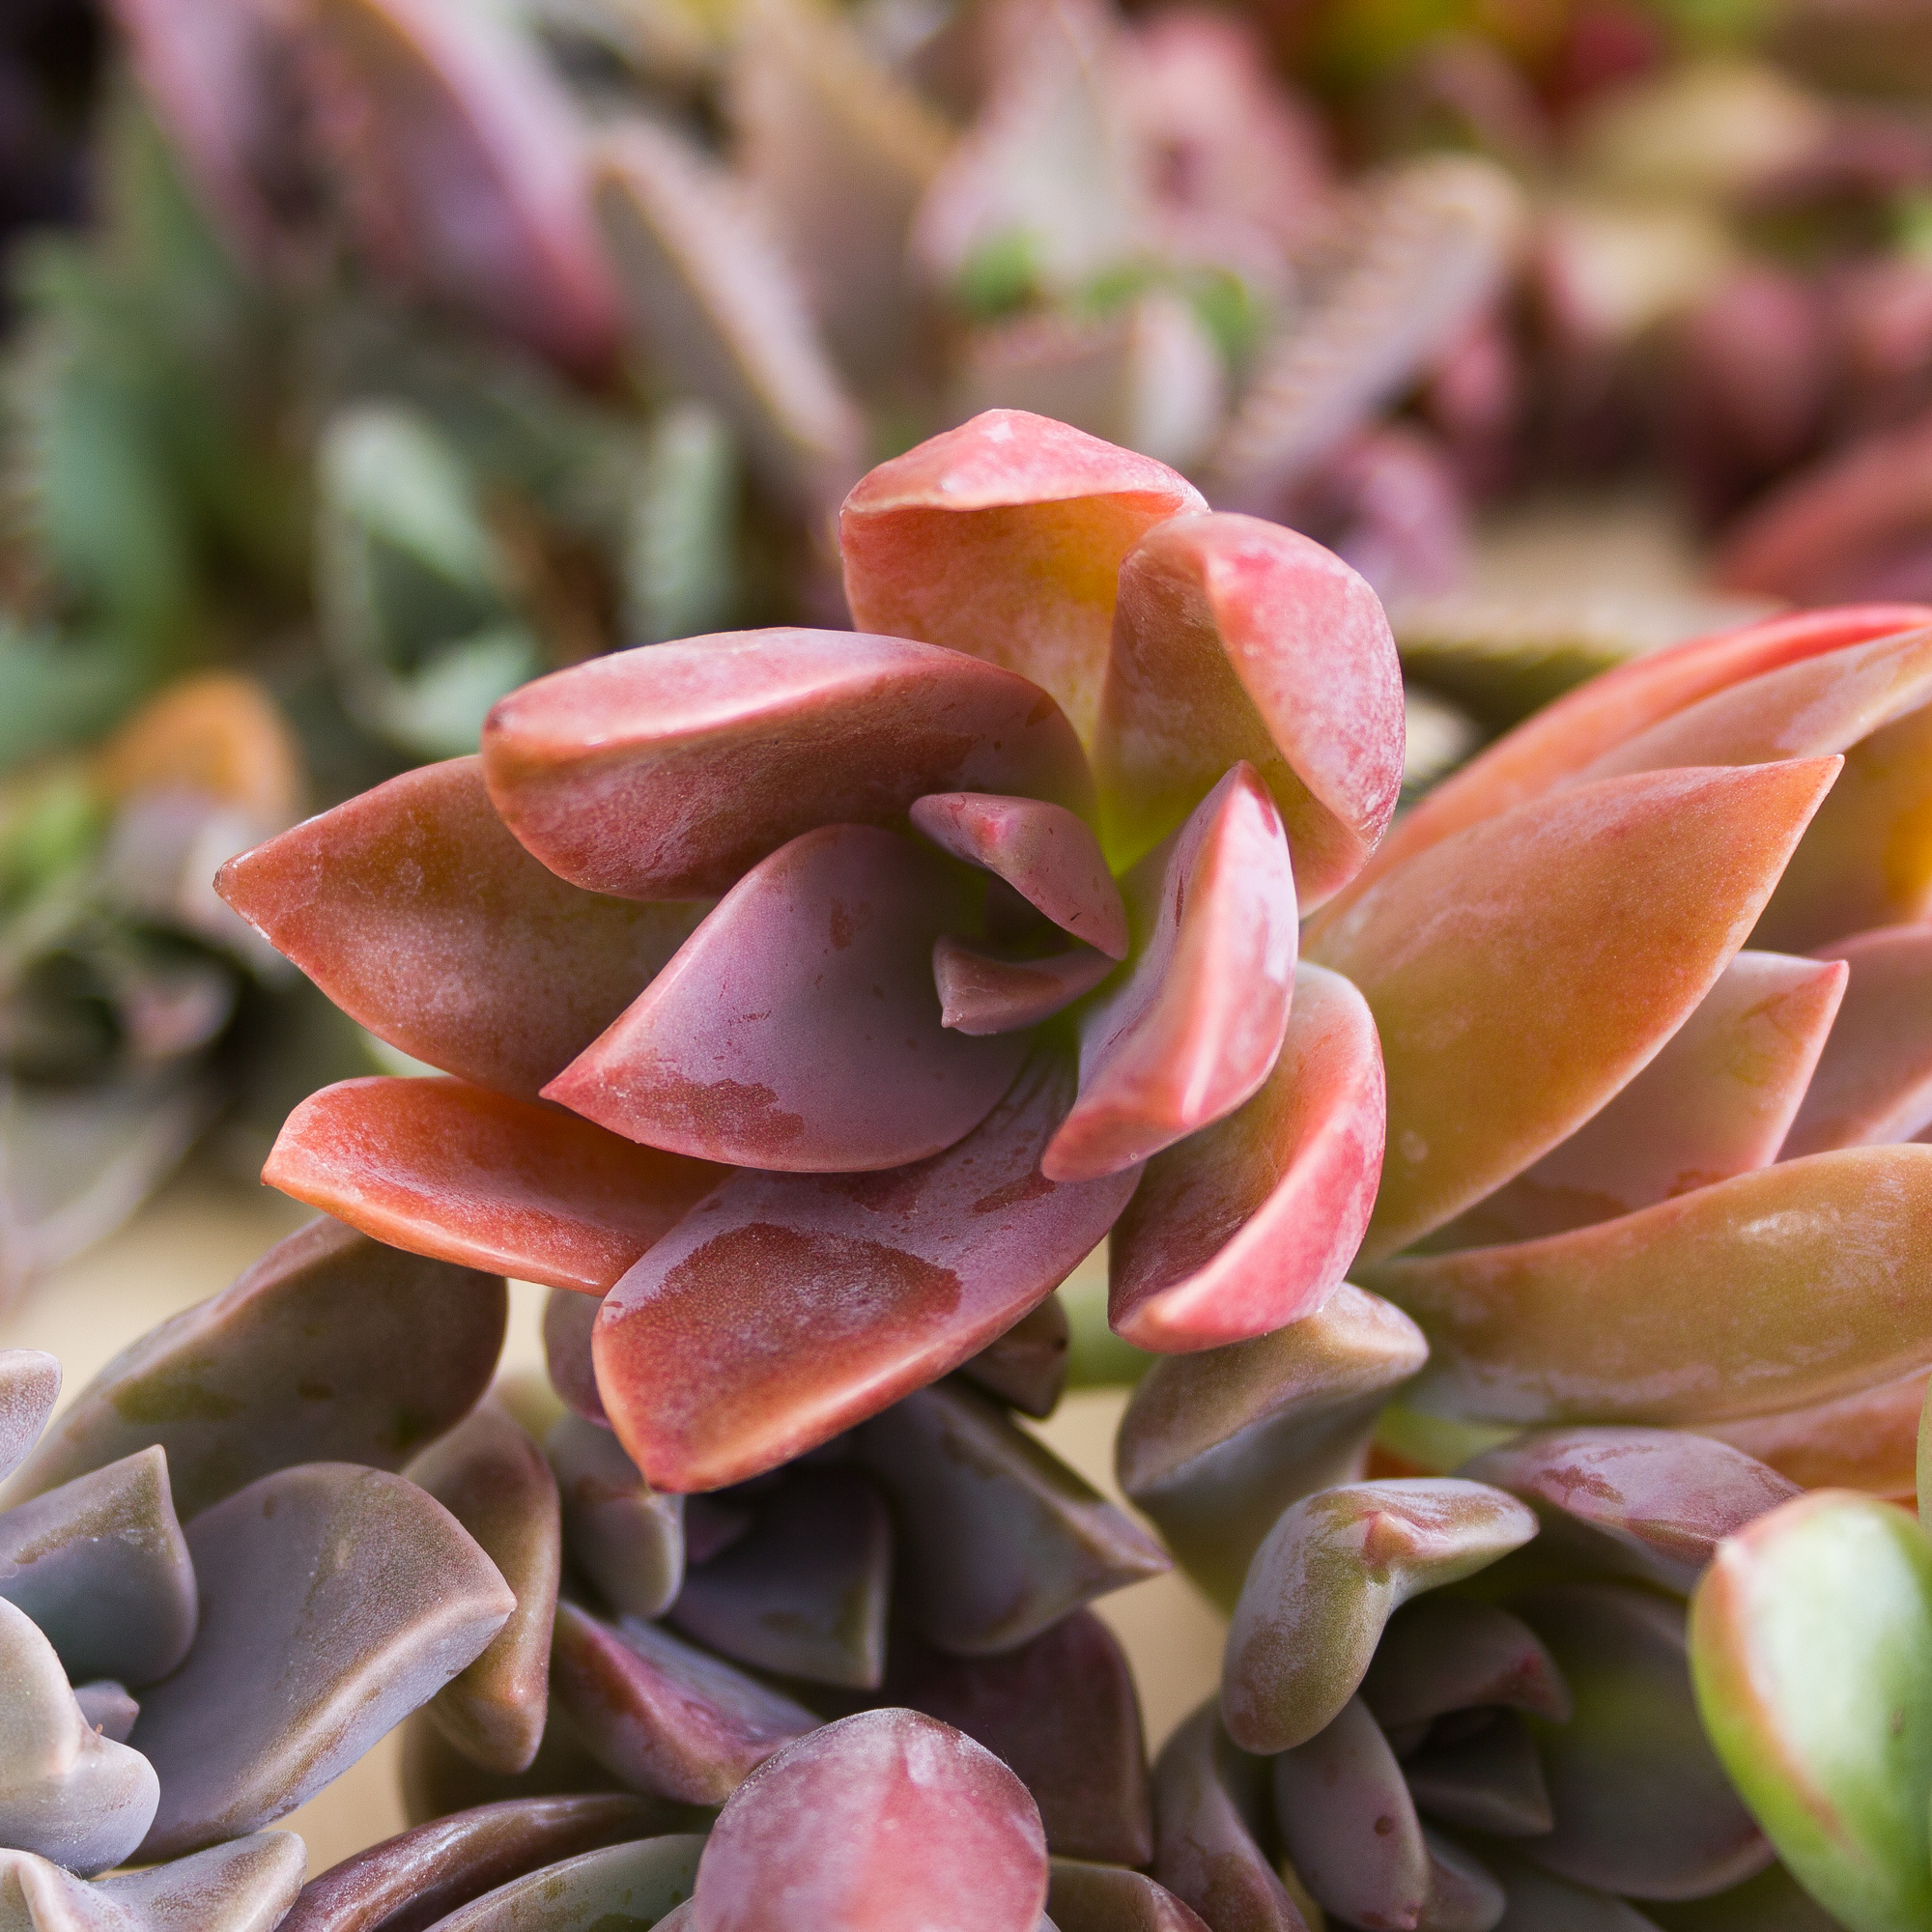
1874,1079
798,1027
1003,538
1194,1030
672,769
446,1169
1867,1440
981,994
1237,639
567,1323
1251,1223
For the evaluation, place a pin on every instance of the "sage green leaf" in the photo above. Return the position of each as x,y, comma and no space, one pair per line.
614,1889
245,1886
626,1537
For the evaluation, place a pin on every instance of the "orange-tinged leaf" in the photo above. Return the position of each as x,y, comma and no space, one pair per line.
1864,1442
1874,1079
1525,970
1235,638
1798,1284
1005,538
218,733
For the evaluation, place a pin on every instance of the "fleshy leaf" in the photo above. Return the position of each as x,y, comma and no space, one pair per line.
1867,1440
661,1713
1463,1895
1561,944
1248,1225
1651,1503
618,1885
787,1307
334,1599
1003,538
493,1479
245,1886
1085,1897
998,1538
883,1819
100,1567
108,1708
626,1538
66,1793
437,1781
331,1345
465,1175
1196,1026
1326,1578
1541,1902
30,1382
1214,1447
1811,1649
1026,1367
1773,1901
1874,1079
798,1028
1717,1101
1643,1806
413,1879
1239,640
420,915
674,769
980,993
1445,1654
1490,1780
1573,1328
1044,851
568,1322
1060,1712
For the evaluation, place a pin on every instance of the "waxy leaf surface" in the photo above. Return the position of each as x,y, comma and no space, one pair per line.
625,1537
30,1382
1086,1897
785,1308
670,771
1541,1902
617,1887
1491,1780
568,1322
980,993
1026,1367
464,1175
1874,1078
1868,1440
1442,1654
245,1886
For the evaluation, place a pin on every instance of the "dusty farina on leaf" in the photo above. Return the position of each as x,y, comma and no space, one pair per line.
808,1004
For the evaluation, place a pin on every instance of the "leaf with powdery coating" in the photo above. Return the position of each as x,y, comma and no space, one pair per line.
1874,1079
661,1713
1328,1578
330,1346
420,915
1650,1503
1208,1799
1867,1440
1442,1654
798,1028
1641,1802
1044,851
785,1308
409,1881
1060,1712
672,770
459,1173
1574,1328
30,1382
1198,1023
335,1600
624,1536
1248,1225
1214,1447
1003,538
1084,1897
101,1566
980,993
494,1480
1719,1099
880,1820
620,1886
999,1539
66,1793
1237,639
242,1886
568,1321
1524,971
1811,1650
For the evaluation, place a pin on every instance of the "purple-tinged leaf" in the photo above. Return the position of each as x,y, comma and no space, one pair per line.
1196,1026
880,1820
67,1794
465,1175
1540,1902
437,1781
626,1538
1214,1447
1044,851
245,1886
1061,1713
1486,1780
330,1346
1325,1581
1445,1654
568,1321
1026,1367
410,1881
999,1539
494,1480
672,770
785,1308
1773,1901
1463,1895
803,1591
798,1028
618,1885
335,1600
980,993
420,915
660,1714
1247,1226
101,1566
108,1708
30,1382
1085,1897
1874,1078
